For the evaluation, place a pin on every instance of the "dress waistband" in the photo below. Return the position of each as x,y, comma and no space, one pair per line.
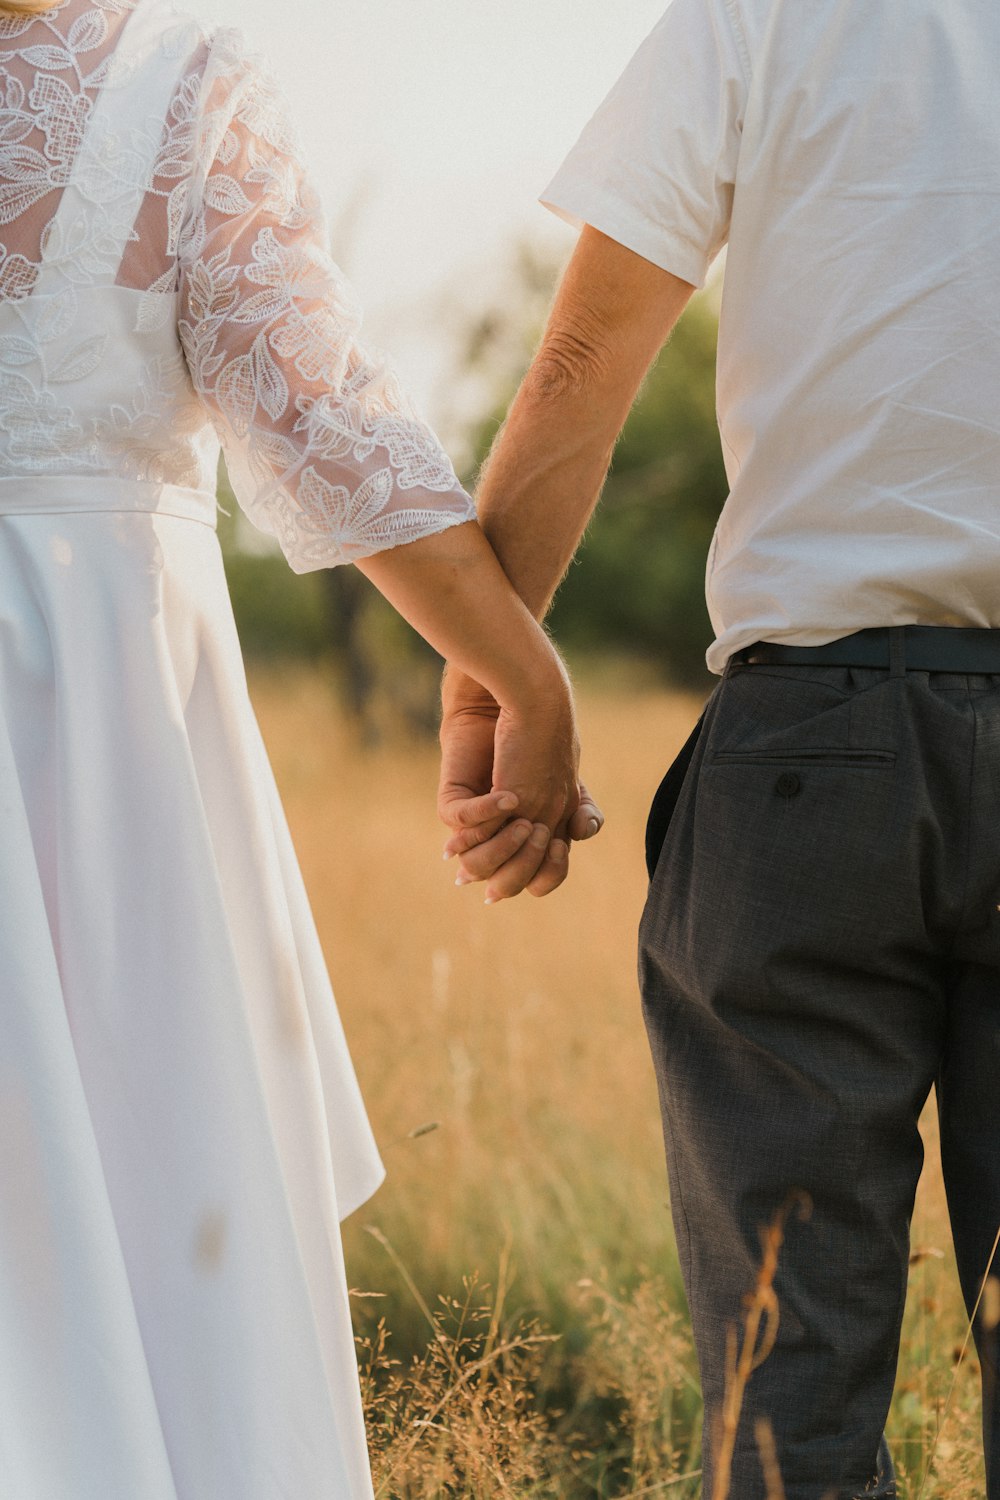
61,494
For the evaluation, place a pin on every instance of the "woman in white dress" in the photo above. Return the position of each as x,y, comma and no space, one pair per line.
180,1126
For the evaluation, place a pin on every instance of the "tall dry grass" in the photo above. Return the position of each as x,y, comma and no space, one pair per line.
520,1311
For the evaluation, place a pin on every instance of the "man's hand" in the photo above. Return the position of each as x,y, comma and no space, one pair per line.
494,835
612,313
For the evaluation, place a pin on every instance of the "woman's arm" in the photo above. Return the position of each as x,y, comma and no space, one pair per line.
451,589
324,451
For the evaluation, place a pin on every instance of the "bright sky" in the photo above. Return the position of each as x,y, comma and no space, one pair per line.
432,126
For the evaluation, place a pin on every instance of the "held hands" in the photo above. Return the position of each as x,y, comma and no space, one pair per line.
509,790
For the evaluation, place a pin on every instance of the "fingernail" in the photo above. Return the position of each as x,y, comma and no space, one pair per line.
592,827
464,880
520,832
540,836
506,802
558,850
492,901
448,854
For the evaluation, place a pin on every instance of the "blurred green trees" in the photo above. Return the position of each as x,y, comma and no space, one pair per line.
636,589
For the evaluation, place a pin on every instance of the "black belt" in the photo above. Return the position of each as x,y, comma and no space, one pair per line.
914,648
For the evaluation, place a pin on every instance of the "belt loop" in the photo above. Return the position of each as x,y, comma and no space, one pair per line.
897,651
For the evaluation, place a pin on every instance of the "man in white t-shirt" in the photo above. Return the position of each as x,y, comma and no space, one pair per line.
821,942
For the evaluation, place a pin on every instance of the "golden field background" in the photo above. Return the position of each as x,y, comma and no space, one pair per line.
518,1303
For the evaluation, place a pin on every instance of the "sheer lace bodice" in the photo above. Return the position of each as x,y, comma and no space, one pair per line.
166,283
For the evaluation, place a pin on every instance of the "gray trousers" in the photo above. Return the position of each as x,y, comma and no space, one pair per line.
820,945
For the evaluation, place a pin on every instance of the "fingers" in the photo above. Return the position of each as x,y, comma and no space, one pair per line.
541,870
588,820
509,854
482,861
552,871
514,876
471,838
460,810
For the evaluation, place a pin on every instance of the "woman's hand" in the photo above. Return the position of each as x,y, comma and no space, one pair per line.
451,588
484,753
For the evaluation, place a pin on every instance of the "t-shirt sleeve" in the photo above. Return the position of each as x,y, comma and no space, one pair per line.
656,166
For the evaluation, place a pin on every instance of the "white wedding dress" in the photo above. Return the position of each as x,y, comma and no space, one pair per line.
180,1125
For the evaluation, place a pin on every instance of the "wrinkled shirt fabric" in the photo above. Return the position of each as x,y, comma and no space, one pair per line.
848,159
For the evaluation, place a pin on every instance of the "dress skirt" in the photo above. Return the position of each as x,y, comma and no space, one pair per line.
181,1129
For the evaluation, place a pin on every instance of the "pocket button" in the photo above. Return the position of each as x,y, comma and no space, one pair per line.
788,784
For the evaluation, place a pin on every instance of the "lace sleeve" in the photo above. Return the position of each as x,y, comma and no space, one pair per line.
323,449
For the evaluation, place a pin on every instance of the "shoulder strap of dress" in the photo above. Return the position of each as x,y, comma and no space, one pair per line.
94,223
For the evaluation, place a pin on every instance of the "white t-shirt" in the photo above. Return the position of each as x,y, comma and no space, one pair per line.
848,151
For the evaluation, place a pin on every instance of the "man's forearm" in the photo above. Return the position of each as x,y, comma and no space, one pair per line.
543,478
545,473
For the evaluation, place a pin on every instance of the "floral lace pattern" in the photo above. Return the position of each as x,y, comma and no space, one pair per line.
202,219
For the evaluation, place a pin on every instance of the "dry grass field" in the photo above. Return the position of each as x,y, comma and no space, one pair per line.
518,1306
